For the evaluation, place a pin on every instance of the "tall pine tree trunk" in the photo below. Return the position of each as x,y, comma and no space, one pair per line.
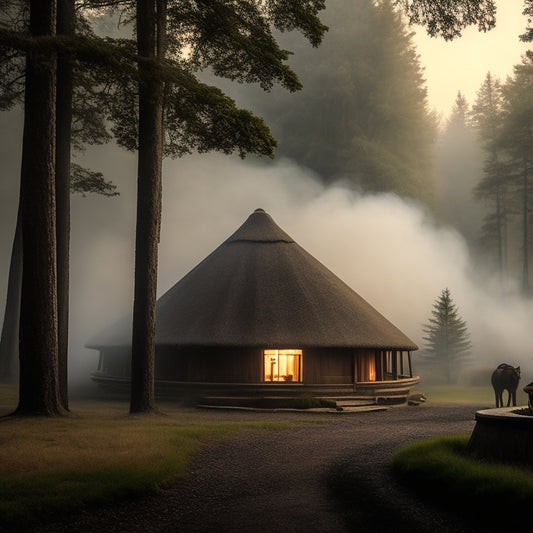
65,26
39,384
150,31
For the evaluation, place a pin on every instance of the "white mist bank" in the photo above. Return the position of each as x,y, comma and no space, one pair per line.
387,249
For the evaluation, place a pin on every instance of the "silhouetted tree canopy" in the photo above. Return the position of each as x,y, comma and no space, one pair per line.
89,100
447,18
528,12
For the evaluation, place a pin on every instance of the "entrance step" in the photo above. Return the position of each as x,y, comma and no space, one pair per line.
349,401
288,402
391,396
355,403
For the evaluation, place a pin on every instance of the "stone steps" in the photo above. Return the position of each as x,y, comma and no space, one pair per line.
339,403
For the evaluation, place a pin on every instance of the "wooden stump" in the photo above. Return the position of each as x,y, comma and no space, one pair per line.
503,434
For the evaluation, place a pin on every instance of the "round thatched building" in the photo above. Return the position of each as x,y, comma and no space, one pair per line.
261,315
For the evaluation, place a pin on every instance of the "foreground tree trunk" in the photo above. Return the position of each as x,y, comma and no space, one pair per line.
150,37
39,384
65,26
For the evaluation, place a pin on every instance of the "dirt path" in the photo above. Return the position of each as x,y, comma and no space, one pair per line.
308,478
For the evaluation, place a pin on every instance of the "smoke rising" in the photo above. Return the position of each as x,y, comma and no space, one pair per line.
387,249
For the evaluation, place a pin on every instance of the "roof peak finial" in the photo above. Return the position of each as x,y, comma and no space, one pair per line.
259,227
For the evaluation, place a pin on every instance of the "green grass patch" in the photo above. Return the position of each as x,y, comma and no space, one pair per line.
441,471
466,394
53,466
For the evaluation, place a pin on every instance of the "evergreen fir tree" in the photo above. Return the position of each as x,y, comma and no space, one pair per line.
458,170
517,141
447,337
493,189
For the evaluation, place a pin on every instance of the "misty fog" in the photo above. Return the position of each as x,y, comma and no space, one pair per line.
390,250
387,249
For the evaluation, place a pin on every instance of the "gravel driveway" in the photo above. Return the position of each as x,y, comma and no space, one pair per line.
308,478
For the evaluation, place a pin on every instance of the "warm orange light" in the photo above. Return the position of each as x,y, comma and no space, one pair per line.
283,365
371,369
366,366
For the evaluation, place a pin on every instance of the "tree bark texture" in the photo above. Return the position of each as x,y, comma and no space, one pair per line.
525,231
149,188
65,26
39,387
9,341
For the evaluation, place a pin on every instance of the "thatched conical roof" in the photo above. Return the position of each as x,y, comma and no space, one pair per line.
260,288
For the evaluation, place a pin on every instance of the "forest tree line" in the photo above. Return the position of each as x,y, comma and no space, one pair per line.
490,145
363,118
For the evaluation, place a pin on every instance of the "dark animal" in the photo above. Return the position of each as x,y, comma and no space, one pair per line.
505,377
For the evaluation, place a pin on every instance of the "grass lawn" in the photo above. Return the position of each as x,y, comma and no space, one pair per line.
463,394
100,453
50,466
493,495
440,470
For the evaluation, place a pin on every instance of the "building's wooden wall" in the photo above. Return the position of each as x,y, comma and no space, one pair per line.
328,366
210,365
245,365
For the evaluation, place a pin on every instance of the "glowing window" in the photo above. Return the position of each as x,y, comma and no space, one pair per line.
367,367
283,365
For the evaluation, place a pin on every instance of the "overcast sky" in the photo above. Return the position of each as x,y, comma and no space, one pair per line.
463,63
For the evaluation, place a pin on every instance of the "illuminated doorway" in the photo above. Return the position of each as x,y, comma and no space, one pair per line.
283,365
